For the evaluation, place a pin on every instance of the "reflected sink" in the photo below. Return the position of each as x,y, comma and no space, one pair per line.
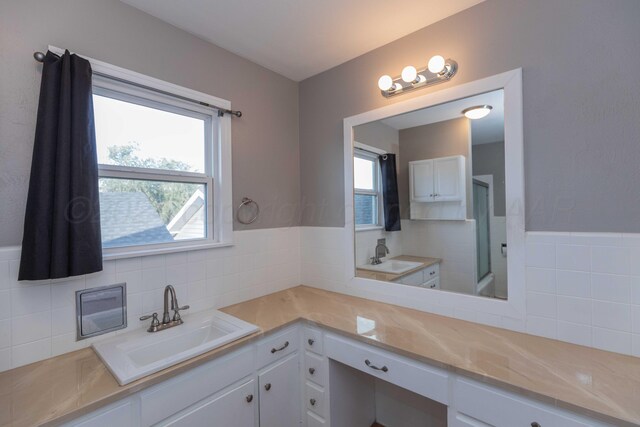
392,266
136,354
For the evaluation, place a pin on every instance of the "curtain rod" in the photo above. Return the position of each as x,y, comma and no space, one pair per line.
39,56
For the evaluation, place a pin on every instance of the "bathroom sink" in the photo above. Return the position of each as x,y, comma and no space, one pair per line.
392,266
136,354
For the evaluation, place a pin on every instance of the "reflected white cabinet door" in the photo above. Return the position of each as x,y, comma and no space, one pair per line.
280,394
448,179
421,180
234,407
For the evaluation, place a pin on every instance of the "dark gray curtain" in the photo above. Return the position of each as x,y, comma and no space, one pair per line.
62,221
390,199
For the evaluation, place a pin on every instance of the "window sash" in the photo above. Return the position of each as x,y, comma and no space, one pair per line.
377,189
127,93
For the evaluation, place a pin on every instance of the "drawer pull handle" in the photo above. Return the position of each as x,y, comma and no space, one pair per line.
313,402
535,424
285,345
249,398
312,371
311,341
267,386
368,363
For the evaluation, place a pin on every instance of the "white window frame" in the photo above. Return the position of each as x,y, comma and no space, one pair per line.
370,153
217,174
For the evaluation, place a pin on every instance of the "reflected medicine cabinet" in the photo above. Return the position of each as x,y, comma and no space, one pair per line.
437,188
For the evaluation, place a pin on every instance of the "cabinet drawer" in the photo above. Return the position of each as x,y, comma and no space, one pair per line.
431,272
498,408
232,407
278,346
426,381
314,368
314,398
315,421
170,397
312,339
432,284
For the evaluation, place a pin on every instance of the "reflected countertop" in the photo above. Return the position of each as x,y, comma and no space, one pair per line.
585,380
390,277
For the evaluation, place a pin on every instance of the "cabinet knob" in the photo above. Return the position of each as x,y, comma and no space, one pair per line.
313,402
311,341
249,398
312,371
535,424
267,386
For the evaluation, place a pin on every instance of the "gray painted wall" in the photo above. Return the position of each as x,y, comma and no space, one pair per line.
488,159
378,135
442,139
265,139
581,106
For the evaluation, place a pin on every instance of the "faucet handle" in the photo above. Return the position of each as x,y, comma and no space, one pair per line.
176,312
153,317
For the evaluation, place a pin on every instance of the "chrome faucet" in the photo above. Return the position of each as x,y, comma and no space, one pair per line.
380,252
167,320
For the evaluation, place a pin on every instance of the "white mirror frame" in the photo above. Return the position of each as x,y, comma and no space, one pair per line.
437,300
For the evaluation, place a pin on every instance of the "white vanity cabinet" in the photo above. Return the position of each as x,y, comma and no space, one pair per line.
280,393
437,180
294,377
428,277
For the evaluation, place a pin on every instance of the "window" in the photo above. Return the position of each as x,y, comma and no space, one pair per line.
158,156
367,191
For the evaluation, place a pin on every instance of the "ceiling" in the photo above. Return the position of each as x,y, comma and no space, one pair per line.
483,131
300,38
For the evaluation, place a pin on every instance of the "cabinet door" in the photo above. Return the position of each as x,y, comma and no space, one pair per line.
421,180
448,174
234,407
280,401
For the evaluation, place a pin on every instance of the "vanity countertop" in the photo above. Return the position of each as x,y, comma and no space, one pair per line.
390,277
588,381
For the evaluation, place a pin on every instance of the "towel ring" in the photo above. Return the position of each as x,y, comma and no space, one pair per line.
247,201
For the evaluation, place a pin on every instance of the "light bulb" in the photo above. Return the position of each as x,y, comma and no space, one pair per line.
409,73
477,112
436,64
385,82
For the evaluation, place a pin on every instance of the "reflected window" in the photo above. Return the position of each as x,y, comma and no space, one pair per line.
367,191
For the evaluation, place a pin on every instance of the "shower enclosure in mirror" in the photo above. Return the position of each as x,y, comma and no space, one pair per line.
429,197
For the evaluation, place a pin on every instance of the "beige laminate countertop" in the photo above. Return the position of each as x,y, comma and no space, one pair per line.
585,380
390,277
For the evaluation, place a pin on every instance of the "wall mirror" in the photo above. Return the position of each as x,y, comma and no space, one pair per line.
435,199
429,197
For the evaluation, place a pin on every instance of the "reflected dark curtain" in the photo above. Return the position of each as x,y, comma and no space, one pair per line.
62,220
391,201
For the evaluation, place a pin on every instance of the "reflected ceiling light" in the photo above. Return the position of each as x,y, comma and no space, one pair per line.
436,64
477,112
438,70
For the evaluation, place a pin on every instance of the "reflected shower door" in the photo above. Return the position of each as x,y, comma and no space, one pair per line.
481,215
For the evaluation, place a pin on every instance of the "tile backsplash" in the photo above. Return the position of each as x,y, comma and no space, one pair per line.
583,288
37,319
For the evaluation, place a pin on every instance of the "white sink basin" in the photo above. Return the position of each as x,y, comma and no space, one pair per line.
392,266
136,354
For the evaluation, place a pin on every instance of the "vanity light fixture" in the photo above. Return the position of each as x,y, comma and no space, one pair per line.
438,70
477,112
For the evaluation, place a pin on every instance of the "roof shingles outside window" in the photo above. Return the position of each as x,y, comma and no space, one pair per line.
128,219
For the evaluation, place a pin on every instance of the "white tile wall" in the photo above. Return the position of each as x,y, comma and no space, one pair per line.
582,288
37,319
